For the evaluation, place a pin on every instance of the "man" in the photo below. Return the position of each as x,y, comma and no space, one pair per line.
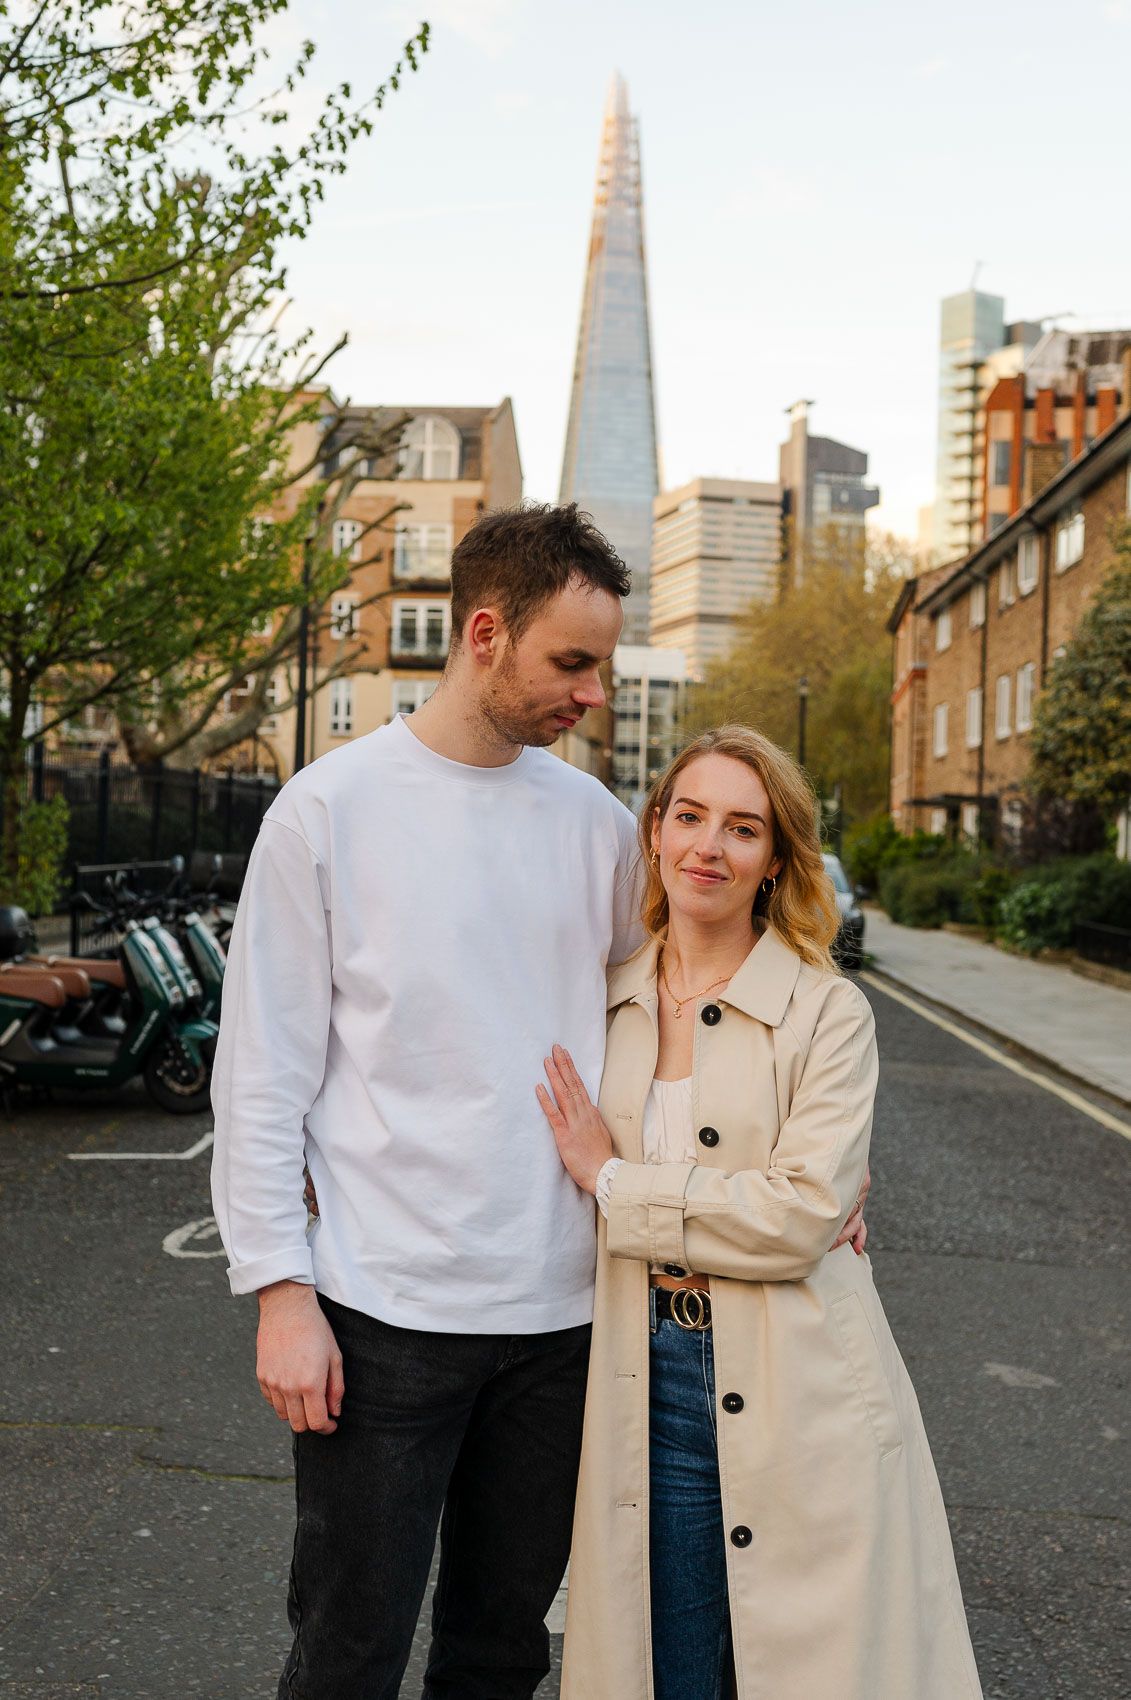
427,911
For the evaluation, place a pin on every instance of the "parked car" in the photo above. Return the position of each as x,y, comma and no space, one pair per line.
848,947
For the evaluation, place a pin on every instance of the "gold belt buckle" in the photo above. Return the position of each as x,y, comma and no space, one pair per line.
694,1319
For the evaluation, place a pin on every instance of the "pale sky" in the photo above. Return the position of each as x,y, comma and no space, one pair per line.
816,177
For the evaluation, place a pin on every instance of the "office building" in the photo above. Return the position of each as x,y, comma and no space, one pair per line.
609,467
824,495
716,548
648,700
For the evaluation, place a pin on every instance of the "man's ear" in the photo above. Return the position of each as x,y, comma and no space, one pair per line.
484,635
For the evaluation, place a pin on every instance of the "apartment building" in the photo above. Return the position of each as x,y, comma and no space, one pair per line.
395,534
716,547
649,688
973,643
825,499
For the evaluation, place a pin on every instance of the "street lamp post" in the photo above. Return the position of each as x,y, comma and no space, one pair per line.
802,702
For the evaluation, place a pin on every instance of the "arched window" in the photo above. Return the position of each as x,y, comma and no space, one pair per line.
430,448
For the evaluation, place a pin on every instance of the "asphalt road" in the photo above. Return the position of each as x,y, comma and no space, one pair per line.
144,1487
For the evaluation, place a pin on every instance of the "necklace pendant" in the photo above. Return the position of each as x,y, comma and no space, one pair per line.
678,1010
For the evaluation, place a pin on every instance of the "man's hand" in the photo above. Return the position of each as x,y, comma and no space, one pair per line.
584,1142
856,1229
298,1365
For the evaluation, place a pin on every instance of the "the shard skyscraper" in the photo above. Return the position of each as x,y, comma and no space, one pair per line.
609,466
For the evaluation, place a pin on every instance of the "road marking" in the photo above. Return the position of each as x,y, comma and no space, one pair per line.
1012,1376
201,1145
177,1244
1104,1117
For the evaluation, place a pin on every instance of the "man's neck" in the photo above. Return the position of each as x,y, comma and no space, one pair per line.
449,724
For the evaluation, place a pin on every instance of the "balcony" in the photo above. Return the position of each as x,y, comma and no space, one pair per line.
407,650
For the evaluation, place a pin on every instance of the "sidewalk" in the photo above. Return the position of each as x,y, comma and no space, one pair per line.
1081,1027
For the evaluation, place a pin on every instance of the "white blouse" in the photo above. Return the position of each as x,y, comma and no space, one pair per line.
668,1133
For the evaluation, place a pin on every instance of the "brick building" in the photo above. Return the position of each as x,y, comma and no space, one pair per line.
973,641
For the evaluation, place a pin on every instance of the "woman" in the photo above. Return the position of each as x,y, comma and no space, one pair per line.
756,1484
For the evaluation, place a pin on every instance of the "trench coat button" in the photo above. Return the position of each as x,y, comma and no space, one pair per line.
708,1136
741,1537
712,1015
674,1269
733,1402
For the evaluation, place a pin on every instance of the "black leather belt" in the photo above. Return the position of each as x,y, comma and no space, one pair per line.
687,1307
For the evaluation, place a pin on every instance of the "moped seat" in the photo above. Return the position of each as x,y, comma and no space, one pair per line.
75,981
33,984
101,973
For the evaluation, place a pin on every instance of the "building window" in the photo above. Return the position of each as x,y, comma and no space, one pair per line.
943,630
970,821
938,821
1025,677
1001,715
1003,457
942,714
422,551
341,708
421,628
345,618
273,695
430,449
347,538
974,718
1007,582
1012,821
1069,538
411,694
1028,563
978,604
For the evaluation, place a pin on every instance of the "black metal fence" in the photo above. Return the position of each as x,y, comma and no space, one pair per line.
120,813
1108,945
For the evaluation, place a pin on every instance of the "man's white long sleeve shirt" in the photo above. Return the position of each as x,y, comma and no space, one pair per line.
413,936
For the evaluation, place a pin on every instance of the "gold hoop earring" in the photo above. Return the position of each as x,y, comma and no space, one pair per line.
654,857
772,881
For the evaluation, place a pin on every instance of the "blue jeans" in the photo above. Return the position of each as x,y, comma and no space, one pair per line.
691,1646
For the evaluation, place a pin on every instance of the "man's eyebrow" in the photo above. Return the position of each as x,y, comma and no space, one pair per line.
576,655
735,814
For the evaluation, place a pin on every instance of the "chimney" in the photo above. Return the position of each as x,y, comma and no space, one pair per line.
1042,463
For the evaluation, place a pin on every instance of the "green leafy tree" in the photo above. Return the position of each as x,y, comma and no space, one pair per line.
831,631
150,176
1080,746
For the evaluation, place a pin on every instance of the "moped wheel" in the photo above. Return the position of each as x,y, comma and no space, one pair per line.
175,1082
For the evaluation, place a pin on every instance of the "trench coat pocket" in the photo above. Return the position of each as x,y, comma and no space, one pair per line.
863,1354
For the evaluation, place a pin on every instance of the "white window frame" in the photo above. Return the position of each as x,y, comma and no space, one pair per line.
1069,538
942,729
345,616
430,449
421,607
938,821
977,604
411,694
1007,582
1028,563
974,718
347,538
341,708
422,551
271,696
1002,723
943,629
1023,711
970,820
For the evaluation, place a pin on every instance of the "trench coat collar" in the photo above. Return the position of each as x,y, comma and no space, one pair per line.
761,988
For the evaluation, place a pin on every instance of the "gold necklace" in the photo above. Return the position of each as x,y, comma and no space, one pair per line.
679,1002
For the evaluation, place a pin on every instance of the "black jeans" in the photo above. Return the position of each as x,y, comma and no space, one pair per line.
485,1428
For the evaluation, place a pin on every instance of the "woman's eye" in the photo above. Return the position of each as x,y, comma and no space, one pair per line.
687,816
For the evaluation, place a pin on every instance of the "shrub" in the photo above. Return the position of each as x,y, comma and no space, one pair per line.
1042,911
42,854
925,894
1035,916
878,843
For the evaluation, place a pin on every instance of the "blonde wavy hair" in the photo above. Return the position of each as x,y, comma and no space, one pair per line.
802,906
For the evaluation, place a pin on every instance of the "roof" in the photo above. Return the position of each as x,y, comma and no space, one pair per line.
1077,478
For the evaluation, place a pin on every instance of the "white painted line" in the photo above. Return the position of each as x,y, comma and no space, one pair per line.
1104,1117
201,1145
179,1242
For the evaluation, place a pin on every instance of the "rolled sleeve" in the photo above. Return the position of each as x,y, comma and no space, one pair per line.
646,1212
270,1060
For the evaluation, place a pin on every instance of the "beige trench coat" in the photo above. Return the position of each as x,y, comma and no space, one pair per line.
848,1587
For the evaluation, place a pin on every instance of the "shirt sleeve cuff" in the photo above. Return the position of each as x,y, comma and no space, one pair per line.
605,1181
296,1265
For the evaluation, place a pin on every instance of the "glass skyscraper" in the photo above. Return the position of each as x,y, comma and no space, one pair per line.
609,466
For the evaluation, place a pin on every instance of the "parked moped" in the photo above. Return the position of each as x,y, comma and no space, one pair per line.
57,1031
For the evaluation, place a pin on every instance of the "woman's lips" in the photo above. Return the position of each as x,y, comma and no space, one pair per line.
703,876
